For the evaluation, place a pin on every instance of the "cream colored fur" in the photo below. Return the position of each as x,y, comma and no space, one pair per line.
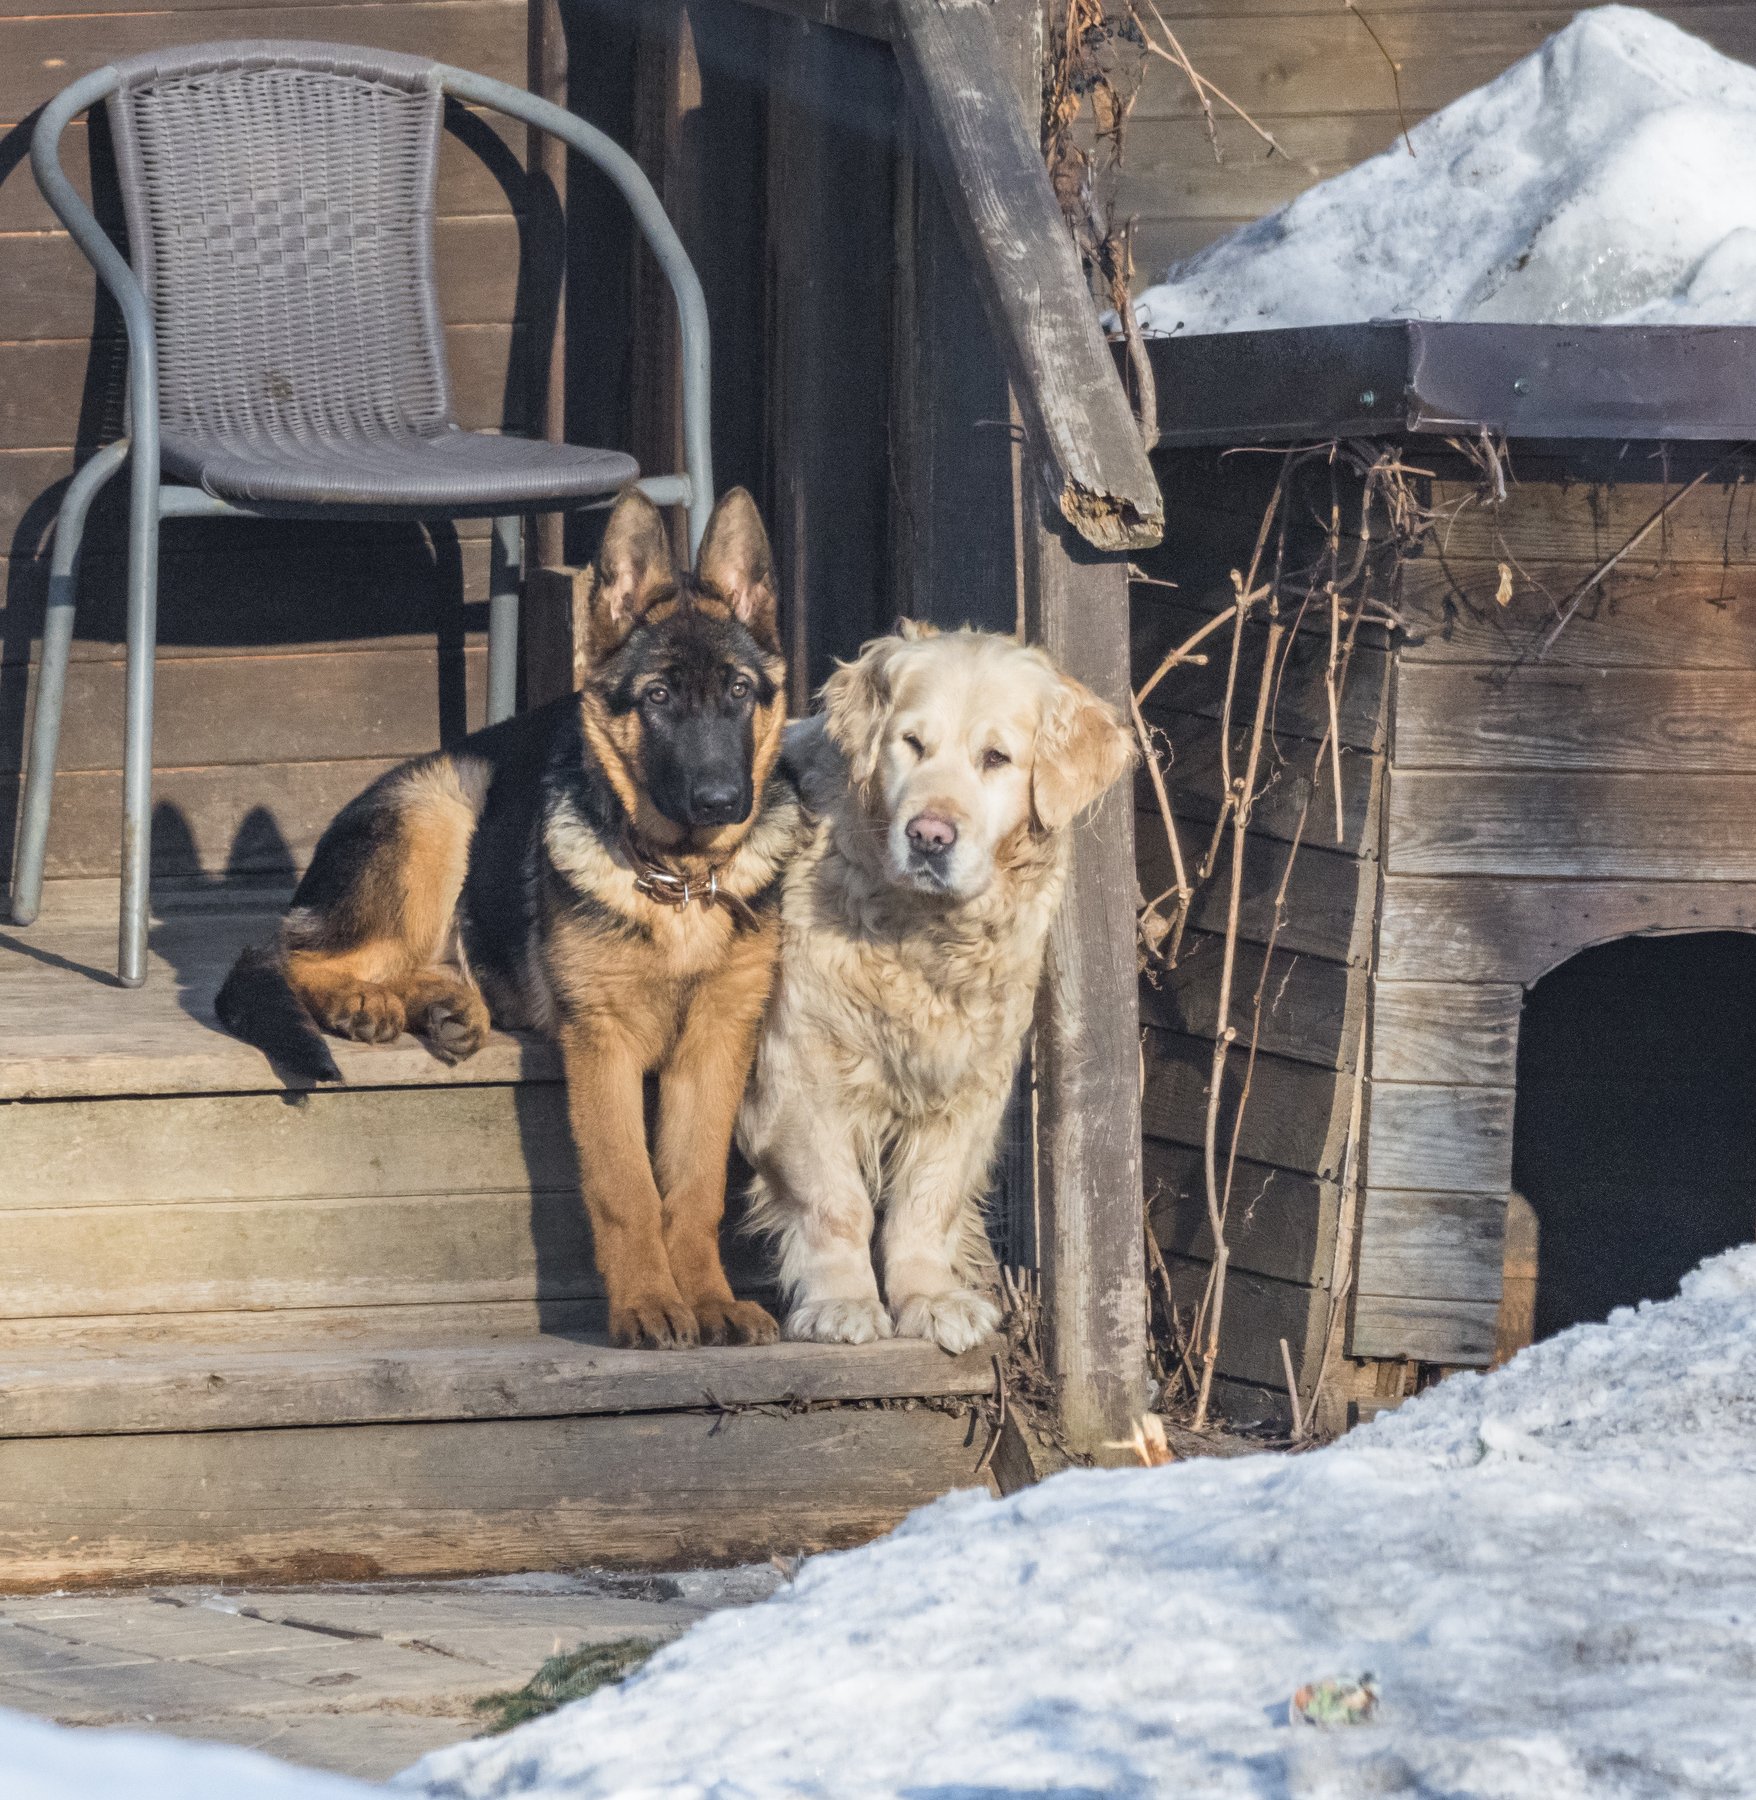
907,982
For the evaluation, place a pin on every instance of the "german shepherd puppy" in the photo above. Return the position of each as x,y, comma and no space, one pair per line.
605,869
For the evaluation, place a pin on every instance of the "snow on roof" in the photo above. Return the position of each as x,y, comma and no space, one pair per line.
52,1762
1549,1570
1608,178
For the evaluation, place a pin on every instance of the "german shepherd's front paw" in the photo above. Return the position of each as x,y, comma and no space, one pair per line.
367,1012
734,1322
454,1025
653,1321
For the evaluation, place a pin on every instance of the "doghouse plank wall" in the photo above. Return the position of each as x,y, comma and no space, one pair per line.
1292,1138
1540,802
1308,72
296,661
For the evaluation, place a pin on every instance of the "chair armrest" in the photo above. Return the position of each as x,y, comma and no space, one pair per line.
111,265
649,215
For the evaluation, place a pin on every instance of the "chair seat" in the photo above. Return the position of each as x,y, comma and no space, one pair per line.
450,469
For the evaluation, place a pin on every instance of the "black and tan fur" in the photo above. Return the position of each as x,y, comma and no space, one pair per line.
505,878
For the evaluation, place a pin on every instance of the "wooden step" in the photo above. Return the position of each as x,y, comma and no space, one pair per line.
305,1382
248,1333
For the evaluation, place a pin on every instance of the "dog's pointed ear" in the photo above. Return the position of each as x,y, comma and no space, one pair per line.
856,703
735,562
1082,749
632,568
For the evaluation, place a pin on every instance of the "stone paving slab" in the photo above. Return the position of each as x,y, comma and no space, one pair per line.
358,1680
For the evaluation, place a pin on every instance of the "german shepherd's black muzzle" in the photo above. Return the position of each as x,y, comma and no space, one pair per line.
698,745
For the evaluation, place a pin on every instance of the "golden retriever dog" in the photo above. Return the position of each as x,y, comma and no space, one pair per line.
946,770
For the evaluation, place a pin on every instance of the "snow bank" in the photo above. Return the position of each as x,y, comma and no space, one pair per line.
1549,1570
49,1762
1610,177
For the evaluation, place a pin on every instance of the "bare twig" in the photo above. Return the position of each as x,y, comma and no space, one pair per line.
1286,1362
1571,604
1224,1031
1395,72
1206,92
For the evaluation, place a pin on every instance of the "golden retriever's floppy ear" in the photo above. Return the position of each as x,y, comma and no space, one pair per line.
631,570
1082,749
856,702
736,564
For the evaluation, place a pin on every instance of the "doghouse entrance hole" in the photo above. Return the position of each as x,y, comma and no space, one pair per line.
1634,1136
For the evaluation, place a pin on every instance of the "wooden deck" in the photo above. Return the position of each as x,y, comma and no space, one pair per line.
247,1331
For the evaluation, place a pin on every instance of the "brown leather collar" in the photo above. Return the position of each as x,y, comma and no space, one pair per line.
667,888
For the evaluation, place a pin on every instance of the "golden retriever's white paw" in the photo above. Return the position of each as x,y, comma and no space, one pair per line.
956,1321
838,1322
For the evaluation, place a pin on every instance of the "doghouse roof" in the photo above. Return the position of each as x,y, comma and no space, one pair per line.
1457,377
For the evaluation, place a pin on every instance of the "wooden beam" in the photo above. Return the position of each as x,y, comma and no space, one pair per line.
1088,1032
983,143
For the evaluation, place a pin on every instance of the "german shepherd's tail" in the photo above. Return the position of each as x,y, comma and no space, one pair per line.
258,1005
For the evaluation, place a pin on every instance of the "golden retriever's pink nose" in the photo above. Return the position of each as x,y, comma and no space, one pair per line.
931,833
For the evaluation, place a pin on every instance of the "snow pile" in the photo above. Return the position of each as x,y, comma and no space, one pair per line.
49,1762
1610,177
1549,1570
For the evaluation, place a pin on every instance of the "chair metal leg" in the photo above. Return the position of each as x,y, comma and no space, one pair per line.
506,567
33,837
143,573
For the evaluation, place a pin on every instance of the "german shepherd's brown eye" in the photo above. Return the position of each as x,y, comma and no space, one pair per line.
740,689
995,759
913,742
657,695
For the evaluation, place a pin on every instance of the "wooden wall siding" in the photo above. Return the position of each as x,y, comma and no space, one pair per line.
1309,73
1314,989
1538,805
296,661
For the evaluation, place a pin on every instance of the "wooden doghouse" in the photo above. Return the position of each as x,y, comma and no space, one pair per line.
1547,745
350,1333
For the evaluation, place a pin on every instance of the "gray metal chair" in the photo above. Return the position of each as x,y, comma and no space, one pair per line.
285,352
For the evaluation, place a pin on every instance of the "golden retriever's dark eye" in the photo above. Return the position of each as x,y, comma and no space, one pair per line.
740,688
914,743
994,759
657,695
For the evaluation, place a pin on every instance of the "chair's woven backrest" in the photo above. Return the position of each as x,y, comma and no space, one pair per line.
279,199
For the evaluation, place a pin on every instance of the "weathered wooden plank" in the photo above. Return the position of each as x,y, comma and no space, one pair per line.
221,1388
1691,616
1459,1034
1258,1313
362,1143
832,124
1660,720
958,75
253,1255
484,35
1301,708
365,1502
1281,1224
264,820
1297,793
1550,521
1296,1118
1514,931
1451,1332
303,590
1653,827
46,285
1297,63
335,707
1329,899
1437,1246
44,400
1440,1139
865,18
1310,1009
